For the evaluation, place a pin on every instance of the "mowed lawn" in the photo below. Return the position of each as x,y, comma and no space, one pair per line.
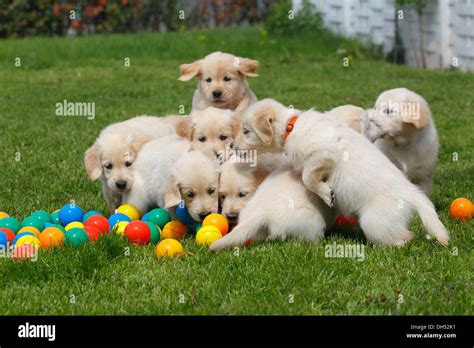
41,168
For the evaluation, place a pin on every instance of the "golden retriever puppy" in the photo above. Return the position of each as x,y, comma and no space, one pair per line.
239,181
354,116
281,207
213,130
403,129
112,155
222,81
344,169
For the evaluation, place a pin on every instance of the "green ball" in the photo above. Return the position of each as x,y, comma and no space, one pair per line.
10,223
55,218
42,215
159,217
198,227
89,214
33,221
76,237
155,232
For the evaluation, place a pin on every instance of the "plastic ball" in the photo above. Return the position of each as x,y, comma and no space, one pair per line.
28,240
130,211
19,235
10,223
76,237
137,232
55,217
346,221
3,239
116,218
207,235
120,227
42,215
159,217
9,233
100,222
24,252
30,229
217,220
169,248
33,221
61,227
145,217
74,224
51,237
173,230
3,215
70,213
92,233
183,215
461,209
89,214
155,232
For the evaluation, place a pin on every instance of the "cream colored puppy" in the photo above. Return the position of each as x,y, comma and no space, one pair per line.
222,81
281,207
403,129
345,170
166,170
112,155
354,116
239,181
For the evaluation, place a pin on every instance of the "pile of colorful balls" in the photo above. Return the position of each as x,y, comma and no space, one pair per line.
71,227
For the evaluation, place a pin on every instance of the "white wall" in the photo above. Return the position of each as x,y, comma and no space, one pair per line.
448,28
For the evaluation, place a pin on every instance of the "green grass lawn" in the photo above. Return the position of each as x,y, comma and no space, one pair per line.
41,168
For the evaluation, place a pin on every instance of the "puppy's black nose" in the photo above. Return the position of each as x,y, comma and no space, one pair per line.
217,94
202,215
231,217
121,184
231,145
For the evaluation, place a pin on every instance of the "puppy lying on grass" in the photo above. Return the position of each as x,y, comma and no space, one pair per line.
222,81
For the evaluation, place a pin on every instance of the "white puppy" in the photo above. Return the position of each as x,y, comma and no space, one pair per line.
354,116
222,81
343,168
112,155
281,207
403,129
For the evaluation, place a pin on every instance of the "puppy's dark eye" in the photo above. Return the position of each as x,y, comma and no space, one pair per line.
128,163
245,131
190,194
208,79
222,197
202,139
108,166
243,194
223,137
227,78
211,190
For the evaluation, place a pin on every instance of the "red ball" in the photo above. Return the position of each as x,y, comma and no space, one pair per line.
100,222
346,221
137,232
9,233
92,232
24,252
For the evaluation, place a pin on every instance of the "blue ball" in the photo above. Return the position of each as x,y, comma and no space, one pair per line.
70,213
22,234
48,224
116,218
183,215
3,239
145,217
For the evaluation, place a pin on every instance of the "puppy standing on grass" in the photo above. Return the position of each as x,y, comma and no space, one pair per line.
344,169
222,81
403,129
112,156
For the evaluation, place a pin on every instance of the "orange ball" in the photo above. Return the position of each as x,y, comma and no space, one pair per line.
174,230
51,237
218,221
461,209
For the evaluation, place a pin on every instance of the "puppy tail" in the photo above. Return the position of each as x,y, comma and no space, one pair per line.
240,235
429,218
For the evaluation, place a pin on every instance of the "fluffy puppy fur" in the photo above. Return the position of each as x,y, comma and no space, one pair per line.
354,116
281,207
403,129
213,130
222,81
345,170
239,181
111,158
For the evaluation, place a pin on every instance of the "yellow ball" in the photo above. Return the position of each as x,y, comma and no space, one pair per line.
29,240
207,235
119,227
174,229
74,224
130,211
30,229
3,215
169,248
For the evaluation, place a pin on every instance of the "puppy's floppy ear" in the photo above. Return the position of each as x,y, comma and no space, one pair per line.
188,71
92,162
261,122
172,193
184,128
248,67
419,116
137,141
